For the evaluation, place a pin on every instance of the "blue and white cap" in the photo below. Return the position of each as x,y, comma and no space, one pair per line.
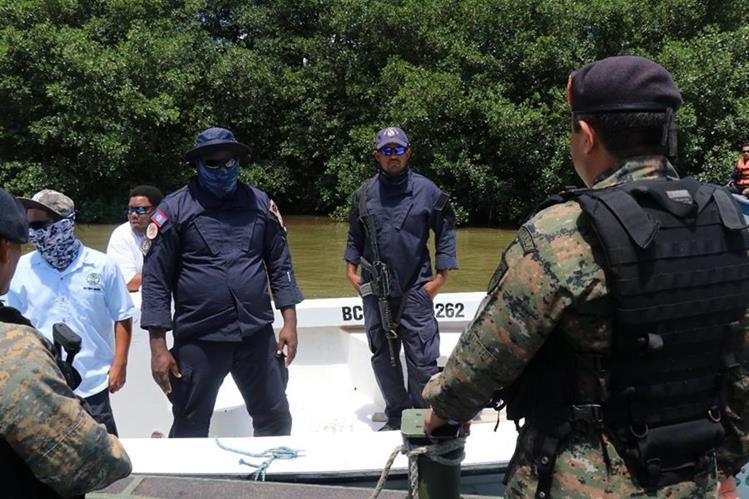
391,135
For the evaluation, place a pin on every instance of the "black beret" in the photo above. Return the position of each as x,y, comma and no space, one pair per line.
622,83
13,226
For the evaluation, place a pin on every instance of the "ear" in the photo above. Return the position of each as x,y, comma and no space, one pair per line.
590,137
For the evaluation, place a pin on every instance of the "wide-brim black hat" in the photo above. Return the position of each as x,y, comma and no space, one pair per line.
217,139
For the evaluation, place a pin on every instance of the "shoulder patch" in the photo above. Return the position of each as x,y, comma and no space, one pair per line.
439,205
501,269
526,240
273,209
159,218
498,274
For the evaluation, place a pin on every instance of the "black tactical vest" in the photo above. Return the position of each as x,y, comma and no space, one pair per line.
16,479
677,269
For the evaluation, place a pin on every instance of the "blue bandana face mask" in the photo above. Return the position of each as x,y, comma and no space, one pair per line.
219,181
57,242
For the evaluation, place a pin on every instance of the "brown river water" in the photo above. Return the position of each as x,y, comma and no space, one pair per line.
317,245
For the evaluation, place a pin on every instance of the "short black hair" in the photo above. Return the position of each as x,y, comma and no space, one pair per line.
744,145
152,193
625,133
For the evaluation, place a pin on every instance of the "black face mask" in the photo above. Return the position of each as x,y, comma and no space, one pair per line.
394,179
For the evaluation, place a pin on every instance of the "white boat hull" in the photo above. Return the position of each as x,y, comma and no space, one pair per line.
332,394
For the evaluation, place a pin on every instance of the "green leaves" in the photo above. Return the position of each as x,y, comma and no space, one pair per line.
99,96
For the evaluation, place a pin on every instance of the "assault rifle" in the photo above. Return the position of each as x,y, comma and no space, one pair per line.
380,287
66,339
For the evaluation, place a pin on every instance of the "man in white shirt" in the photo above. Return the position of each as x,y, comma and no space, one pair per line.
64,281
128,242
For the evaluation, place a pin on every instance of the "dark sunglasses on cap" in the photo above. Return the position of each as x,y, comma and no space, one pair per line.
140,210
221,163
42,224
398,150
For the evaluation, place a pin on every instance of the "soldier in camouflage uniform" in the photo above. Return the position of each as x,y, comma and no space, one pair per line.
551,290
49,445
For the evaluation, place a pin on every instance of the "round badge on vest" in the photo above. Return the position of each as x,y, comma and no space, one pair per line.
152,231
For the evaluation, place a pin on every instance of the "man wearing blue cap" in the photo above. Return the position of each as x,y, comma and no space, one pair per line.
615,325
215,245
391,217
49,445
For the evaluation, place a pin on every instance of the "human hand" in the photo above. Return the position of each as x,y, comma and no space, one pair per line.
432,288
162,364
117,374
432,421
727,489
287,337
354,279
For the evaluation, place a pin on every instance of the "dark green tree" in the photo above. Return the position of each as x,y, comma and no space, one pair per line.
101,95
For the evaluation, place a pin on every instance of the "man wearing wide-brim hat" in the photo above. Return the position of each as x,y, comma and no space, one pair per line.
216,243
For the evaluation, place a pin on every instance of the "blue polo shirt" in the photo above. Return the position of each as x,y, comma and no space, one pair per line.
88,296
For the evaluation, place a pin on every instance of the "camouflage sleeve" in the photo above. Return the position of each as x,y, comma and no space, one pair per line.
526,300
45,424
735,450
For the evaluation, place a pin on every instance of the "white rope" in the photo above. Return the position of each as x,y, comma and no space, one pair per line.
270,455
435,452
386,472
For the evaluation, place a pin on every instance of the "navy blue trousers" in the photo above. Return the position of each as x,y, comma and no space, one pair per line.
418,334
101,410
258,373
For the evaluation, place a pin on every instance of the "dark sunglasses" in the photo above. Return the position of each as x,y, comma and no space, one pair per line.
43,224
398,150
140,210
221,163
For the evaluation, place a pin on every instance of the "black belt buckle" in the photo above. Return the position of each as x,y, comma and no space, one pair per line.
591,415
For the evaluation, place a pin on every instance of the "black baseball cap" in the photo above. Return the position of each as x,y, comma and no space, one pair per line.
622,84
13,224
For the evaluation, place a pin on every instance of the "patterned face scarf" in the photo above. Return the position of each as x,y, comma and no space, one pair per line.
57,242
220,181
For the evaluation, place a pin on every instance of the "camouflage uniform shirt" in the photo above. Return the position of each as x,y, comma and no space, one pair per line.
46,425
550,282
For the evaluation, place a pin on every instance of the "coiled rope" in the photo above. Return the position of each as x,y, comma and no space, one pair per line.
270,455
435,452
